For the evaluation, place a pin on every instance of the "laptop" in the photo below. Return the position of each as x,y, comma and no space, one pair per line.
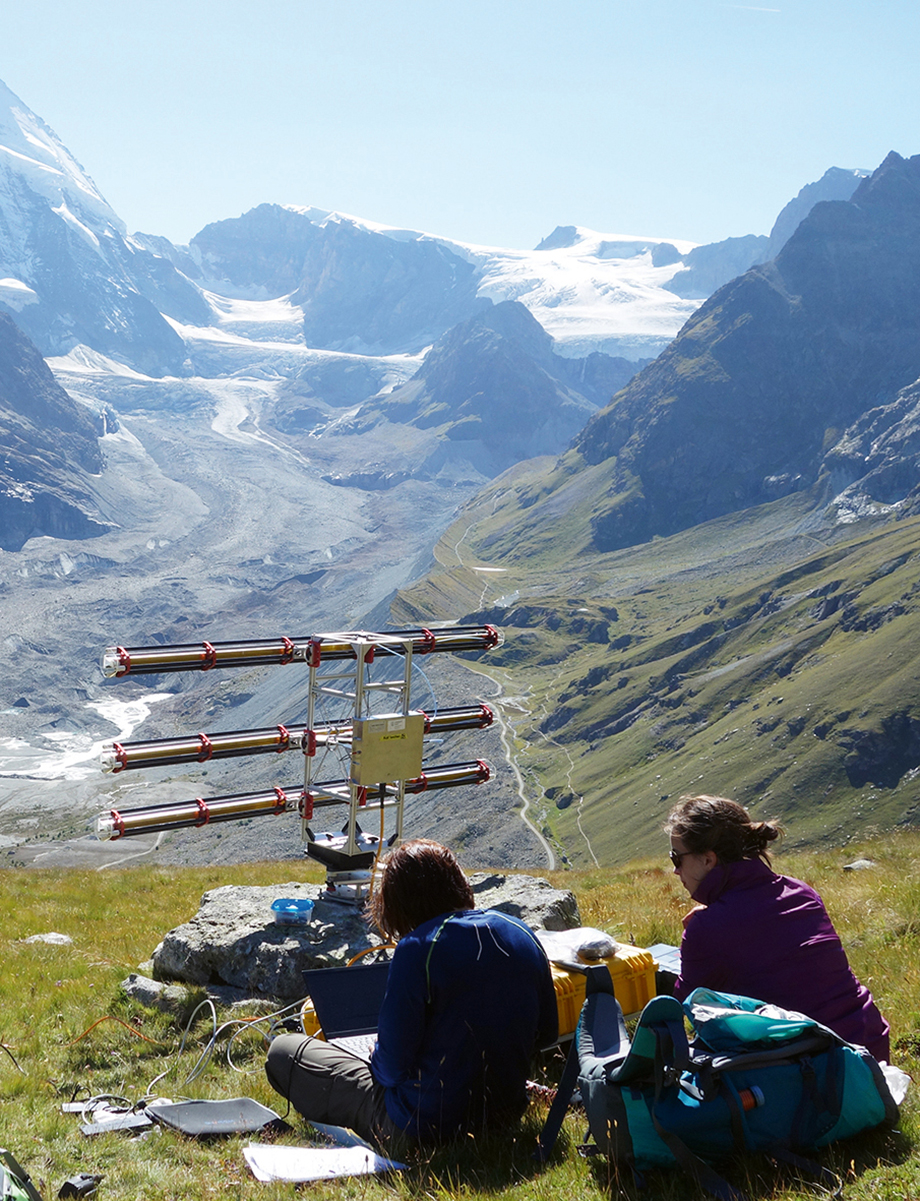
241,1115
668,960
347,1001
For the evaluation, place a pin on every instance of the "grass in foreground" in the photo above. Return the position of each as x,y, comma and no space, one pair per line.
51,996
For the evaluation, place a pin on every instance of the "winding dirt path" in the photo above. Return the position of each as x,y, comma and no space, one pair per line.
568,778
507,740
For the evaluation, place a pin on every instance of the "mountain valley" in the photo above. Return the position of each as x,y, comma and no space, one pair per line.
305,422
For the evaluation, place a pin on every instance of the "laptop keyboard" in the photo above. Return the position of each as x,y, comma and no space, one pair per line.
361,1045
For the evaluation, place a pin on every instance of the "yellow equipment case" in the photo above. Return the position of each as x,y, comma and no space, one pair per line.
633,973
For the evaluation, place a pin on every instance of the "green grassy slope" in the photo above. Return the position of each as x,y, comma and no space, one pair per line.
759,656
57,1005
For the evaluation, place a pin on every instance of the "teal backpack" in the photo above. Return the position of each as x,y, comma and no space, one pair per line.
754,1078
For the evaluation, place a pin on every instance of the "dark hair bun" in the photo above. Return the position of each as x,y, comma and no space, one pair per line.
760,835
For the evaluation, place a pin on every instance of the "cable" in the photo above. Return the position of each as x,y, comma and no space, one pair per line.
247,1024
415,668
276,1019
384,946
206,1053
122,1105
204,1058
111,1018
13,1058
376,864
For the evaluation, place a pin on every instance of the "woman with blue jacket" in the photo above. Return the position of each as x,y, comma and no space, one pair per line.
469,1000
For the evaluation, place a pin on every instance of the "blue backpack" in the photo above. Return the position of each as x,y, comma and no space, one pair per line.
754,1078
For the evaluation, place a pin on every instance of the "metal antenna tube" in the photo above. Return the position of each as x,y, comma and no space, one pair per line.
356,793
388,741
201,811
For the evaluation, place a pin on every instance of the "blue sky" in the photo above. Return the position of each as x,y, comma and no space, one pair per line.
486,122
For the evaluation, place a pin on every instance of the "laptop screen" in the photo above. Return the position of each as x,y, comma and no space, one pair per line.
347,1000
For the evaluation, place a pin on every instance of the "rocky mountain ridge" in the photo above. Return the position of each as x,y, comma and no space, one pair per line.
706,268
69,273
761,382
50,450
495,392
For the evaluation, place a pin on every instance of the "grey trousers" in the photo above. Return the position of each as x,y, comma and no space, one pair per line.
329,1085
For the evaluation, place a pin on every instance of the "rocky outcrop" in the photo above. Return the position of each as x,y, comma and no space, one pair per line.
376,480
837,183
261,253
576,619
529,898
233,939
369,295
496,393
884,755
877,460
50,444
155,994
707,268
360,290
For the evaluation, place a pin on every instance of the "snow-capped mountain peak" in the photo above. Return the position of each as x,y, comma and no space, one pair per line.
68,273
34,153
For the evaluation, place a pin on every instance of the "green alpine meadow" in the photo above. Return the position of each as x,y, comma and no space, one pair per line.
69,1033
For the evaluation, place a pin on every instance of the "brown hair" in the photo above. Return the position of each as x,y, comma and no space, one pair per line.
421,879
712,823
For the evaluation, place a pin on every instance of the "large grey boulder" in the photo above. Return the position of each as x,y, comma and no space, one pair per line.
234,940
530,898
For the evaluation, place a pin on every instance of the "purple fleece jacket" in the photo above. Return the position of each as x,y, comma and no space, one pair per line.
767,936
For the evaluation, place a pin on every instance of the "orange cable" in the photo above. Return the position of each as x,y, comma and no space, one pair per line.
111,1018
386,946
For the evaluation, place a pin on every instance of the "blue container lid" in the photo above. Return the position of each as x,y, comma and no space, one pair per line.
291,909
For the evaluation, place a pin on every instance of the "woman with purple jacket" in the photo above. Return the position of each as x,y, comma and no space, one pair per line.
758,934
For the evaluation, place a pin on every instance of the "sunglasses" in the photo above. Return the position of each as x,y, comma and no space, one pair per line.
677,856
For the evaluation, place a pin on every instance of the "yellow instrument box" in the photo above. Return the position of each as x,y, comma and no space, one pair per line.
309,1021
633,973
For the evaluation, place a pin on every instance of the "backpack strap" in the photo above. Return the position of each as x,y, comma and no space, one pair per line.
13,1173
705,1176
639,1063
826,1102
597,980
671,1058
557,1110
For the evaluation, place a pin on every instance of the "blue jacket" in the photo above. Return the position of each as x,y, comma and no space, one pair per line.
470,998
